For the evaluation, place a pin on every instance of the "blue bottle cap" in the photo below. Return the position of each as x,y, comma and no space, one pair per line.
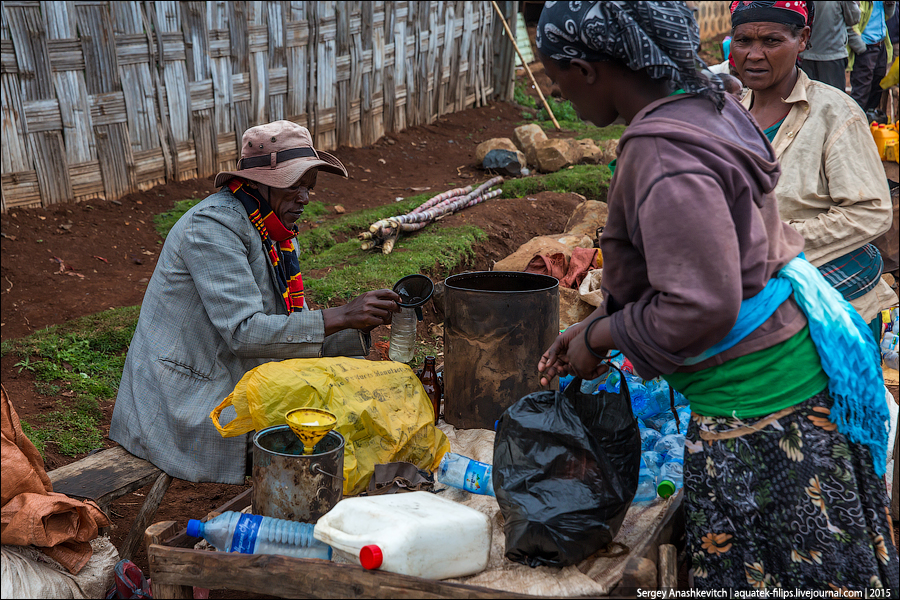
193,527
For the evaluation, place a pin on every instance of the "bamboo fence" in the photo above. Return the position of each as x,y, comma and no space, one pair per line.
100,99
713,17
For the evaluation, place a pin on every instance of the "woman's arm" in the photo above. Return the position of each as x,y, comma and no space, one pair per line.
861,199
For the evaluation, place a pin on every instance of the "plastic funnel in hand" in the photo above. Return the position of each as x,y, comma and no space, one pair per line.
310,425
414,291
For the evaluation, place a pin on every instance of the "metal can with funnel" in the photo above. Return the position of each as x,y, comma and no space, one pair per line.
298,468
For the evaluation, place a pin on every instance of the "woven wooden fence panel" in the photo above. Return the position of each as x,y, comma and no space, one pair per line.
100,99
713,17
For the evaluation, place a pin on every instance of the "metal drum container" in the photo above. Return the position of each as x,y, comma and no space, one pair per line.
496,326
290,485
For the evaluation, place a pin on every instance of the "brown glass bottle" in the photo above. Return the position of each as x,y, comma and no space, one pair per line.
432,385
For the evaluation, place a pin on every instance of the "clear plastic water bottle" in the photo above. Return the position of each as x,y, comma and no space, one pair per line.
654,460
649,438
657,421
255,534
889,350
646,489
403,335
670,444
684,417
642,404
592,386
671,476
466,474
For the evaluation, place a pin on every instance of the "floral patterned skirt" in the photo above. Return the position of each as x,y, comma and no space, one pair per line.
785,501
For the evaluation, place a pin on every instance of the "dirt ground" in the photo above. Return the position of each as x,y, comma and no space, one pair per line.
71,260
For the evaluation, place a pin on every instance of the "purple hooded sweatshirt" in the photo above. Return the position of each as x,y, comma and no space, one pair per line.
693,229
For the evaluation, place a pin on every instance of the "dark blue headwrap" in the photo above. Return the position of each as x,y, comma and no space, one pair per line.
661,37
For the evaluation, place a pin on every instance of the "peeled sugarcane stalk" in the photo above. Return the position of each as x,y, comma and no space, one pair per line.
441,197
389,242
410,227
425,205
386,231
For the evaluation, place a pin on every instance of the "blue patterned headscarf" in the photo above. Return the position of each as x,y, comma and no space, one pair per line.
661,37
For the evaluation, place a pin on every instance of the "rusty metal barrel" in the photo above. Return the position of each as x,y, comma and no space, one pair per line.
290,485
496,326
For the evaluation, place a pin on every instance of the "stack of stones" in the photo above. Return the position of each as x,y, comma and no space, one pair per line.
530,146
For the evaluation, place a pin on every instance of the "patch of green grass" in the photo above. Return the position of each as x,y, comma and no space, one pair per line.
562,110
314,210
591,181
73,431
610,132
355,271
521,97
85,356
352,271
163,222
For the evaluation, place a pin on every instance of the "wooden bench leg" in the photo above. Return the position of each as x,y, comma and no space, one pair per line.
668,567
157,534
145,516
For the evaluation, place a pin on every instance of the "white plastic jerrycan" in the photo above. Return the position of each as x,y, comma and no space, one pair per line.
416,533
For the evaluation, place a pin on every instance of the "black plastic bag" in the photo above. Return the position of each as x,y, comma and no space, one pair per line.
565,472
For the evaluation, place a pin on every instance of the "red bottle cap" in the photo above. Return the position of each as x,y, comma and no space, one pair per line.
370,557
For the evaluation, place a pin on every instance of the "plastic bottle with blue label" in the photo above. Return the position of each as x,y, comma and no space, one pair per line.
671,476
255,534
466,474
646,489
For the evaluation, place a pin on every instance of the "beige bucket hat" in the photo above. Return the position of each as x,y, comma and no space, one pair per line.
277,154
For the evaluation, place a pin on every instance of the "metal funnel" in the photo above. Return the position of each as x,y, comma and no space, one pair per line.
310,425
414,291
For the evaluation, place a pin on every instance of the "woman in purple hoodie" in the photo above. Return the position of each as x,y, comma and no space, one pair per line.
703,286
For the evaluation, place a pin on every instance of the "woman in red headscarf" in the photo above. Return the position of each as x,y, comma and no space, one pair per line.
832,189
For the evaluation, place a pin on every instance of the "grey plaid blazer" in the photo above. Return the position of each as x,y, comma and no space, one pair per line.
212,312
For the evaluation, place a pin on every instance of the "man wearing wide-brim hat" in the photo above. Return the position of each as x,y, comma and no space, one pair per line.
227,296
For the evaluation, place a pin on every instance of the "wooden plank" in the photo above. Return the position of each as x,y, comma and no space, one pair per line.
104,476
29,39
668,568
671,528
296,58
145,515
296,577
326,71
154,535
108,108
277,70
175,76
259,64
42,115
222,86
87,181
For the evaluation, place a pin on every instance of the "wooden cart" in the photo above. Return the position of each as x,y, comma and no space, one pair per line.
175,566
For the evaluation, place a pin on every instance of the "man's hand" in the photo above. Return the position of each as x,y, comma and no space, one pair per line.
365,312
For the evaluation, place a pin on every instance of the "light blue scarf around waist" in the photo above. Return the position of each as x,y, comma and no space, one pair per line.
845,345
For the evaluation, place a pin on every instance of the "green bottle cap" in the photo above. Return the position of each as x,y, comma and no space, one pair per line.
665,488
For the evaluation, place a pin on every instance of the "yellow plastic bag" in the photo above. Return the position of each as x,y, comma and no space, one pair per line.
893,75
382,410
